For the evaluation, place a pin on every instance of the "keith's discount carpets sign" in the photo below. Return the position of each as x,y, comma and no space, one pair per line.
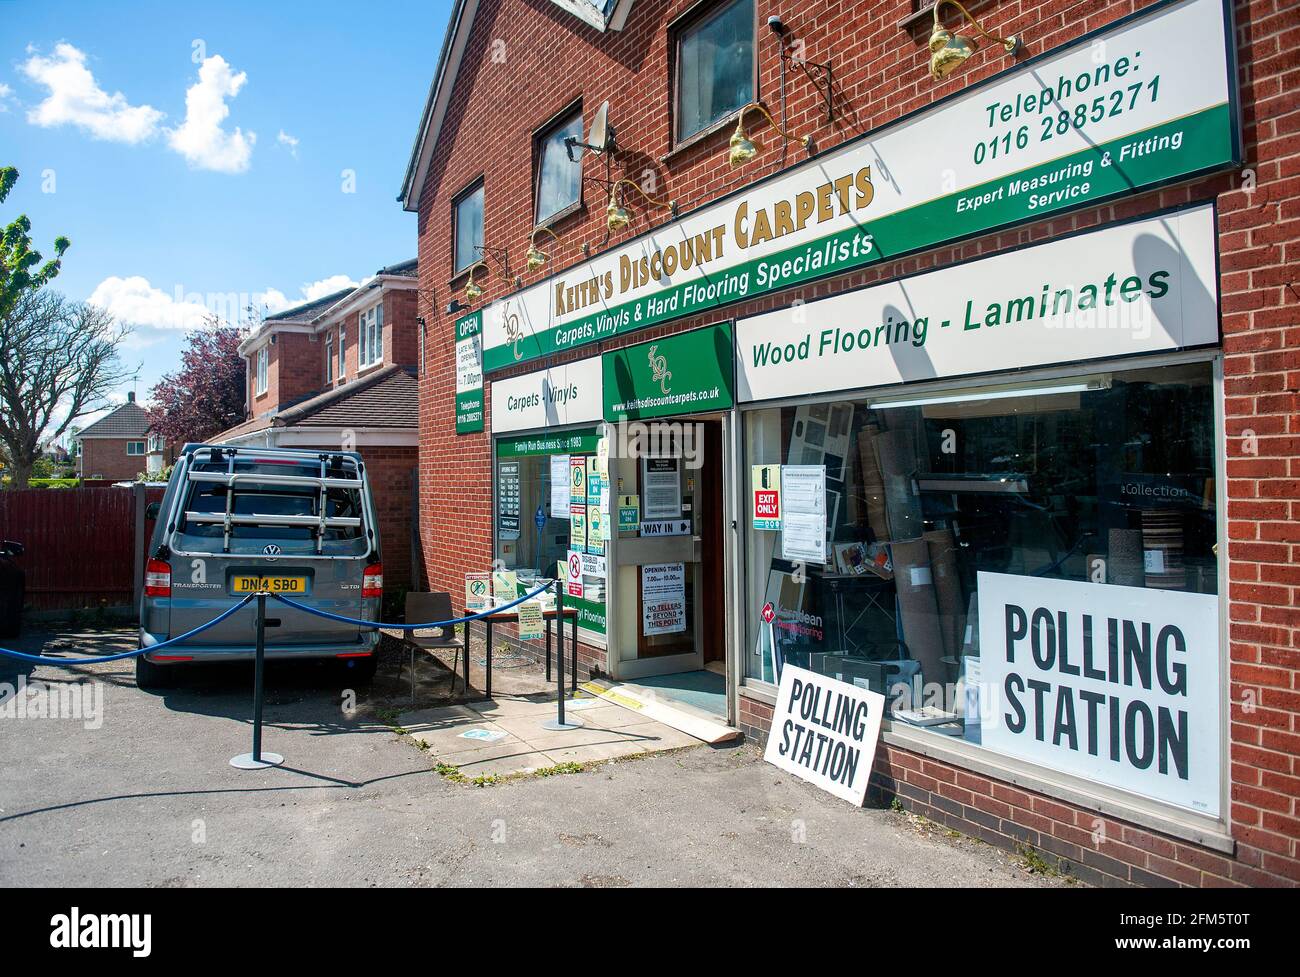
824,731
1117,685
1147,101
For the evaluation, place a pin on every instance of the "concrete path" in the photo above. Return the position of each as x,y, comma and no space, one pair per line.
143,795
508,735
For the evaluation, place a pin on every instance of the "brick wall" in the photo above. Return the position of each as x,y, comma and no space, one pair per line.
106,458
391,477
881,74
293,372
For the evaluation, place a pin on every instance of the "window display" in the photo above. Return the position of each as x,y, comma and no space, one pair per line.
549,492
1104,479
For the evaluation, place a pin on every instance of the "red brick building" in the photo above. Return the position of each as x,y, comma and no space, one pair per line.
926,364
118,445
340,372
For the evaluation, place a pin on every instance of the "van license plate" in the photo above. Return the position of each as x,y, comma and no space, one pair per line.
251,584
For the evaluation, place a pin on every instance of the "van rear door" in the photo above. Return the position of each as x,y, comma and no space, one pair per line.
274,540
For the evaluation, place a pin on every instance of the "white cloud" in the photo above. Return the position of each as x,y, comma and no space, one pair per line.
287,141
318,290
134,302
201,138
75,98
5,92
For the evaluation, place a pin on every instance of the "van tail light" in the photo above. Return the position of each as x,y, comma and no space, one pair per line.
372,582
158,579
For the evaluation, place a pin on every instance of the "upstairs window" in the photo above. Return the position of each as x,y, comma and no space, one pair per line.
558,183
329,358
715,66
135,447
343,370
467,228
370,336
263,362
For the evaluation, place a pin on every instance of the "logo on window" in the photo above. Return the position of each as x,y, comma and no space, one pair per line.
271,550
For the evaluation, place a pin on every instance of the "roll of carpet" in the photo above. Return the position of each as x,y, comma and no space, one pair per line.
942,546
1124,558
918,607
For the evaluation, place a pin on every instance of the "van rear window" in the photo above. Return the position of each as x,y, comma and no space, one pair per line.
253,498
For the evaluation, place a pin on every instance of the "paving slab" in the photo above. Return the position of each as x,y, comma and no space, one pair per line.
608,731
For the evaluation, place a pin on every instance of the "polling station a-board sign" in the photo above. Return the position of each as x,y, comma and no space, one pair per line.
825,731
1116,685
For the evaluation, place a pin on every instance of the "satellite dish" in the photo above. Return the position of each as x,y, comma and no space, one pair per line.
600,137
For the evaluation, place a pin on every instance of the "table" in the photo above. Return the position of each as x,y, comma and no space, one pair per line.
512,617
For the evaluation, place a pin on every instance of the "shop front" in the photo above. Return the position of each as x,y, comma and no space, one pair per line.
987,409
992,493
611,474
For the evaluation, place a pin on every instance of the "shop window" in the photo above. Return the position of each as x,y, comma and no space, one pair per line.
558,179
467,228
1102,479
542,520
714,74
370,336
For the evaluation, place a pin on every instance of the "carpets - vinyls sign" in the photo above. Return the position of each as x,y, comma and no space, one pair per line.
1147,101
1117,685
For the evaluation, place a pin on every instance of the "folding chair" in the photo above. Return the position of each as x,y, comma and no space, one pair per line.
432,607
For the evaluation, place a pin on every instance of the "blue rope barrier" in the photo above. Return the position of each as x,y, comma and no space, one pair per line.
411,627
42,660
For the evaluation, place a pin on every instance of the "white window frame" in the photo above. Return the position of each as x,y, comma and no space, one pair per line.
138,445
261,370
370,336
329,357
343,363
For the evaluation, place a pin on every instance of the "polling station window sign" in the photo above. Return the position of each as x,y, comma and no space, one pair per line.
1117,685
825,731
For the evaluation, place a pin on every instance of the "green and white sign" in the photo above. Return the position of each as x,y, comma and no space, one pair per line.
684,374
1144,286
565,394
1145,102
469,373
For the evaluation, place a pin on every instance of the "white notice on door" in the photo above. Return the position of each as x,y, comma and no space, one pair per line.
663,598
661,495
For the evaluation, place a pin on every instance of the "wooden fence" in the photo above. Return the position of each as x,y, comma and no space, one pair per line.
81,543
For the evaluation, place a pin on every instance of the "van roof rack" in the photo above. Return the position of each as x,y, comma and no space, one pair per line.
230,478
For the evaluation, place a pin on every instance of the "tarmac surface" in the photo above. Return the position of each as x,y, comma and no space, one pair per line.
137,791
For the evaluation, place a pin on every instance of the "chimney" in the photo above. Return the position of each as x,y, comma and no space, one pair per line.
130,397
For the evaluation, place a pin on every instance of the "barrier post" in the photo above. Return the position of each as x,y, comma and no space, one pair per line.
257,760
559,723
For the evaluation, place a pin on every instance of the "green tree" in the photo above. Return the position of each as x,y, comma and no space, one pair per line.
58,359
21,270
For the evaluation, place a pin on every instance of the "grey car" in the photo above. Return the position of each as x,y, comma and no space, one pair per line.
236,520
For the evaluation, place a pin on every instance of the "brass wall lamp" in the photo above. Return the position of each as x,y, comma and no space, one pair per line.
472,288
948,51
618,217
536,257
743,148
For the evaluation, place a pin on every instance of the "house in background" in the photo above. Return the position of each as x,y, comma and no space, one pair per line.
339,373
120,445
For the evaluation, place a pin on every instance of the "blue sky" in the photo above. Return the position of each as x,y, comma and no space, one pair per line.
113,114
